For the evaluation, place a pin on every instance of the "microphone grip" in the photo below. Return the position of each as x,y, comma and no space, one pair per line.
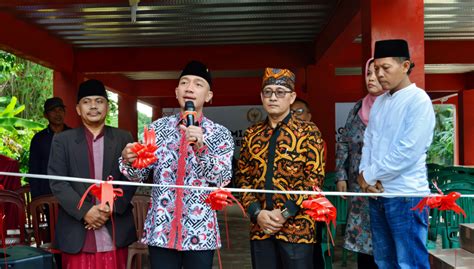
189,120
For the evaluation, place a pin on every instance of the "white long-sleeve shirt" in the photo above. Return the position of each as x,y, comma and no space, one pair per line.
399,133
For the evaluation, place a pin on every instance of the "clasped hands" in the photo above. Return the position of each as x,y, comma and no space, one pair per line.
96,217
270,221
365,187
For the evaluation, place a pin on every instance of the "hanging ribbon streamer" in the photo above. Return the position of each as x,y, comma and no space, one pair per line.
106,194
146,151
219,200
320,209
441,202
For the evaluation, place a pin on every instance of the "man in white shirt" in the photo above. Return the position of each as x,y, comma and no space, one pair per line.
399,133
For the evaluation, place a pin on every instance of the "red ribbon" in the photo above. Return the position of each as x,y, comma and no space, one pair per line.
104,192
443,202
219,200
320,209
145,151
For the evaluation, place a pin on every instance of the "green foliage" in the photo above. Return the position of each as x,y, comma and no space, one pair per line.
143,120
112,116
29,84
16,133
442,148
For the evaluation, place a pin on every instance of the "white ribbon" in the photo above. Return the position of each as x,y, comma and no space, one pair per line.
235,190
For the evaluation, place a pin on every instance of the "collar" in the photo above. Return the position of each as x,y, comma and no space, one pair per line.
90,136
285,121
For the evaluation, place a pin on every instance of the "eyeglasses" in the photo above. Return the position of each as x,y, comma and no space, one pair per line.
279,93
298,111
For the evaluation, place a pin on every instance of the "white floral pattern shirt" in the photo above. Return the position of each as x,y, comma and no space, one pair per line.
194,225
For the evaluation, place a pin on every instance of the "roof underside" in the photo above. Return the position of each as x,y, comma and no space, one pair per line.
178,23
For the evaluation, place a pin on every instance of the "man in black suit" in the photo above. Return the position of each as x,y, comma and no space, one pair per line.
85,235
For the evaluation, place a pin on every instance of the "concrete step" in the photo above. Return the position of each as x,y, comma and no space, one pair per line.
451,259
467,236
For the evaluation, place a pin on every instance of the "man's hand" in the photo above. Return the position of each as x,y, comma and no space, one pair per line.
277,216
193,135
378,188
127,154
96,217
362,183
341,186
268,222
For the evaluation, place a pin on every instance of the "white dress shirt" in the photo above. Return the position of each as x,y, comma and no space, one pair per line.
399,133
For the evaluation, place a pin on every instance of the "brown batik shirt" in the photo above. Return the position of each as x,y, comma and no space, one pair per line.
289,157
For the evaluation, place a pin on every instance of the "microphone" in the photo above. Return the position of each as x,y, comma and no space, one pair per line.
189,112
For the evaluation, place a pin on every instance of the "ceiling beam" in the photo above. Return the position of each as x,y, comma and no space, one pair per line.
116,82
449,51
32,43
436,52
224,57
341,30
59,3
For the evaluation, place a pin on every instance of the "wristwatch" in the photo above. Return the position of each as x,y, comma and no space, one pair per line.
285,213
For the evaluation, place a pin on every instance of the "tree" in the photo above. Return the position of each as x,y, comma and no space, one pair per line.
441,150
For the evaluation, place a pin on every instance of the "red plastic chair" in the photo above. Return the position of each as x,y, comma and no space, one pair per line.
44,232
140,203
13,198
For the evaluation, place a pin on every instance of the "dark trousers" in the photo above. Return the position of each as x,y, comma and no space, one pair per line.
318,260
276,254
365,261
164,258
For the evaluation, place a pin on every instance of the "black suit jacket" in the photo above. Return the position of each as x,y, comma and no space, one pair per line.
69,157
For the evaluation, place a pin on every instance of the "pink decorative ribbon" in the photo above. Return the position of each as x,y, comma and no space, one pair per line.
145,151
443,202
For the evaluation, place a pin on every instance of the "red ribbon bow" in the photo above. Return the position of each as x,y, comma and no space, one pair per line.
219,199
146,151
320,209
104,192
443,202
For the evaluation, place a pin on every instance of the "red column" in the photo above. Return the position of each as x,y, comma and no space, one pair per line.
65,86
395,20
320,81
157,111
128,115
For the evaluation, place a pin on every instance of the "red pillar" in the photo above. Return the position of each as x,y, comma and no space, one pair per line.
128,115
157,111
65,86
321,78
395,20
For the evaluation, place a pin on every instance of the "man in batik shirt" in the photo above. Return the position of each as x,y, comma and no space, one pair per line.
181,230
281,153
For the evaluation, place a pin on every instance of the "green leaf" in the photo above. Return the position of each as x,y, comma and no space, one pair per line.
11,122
